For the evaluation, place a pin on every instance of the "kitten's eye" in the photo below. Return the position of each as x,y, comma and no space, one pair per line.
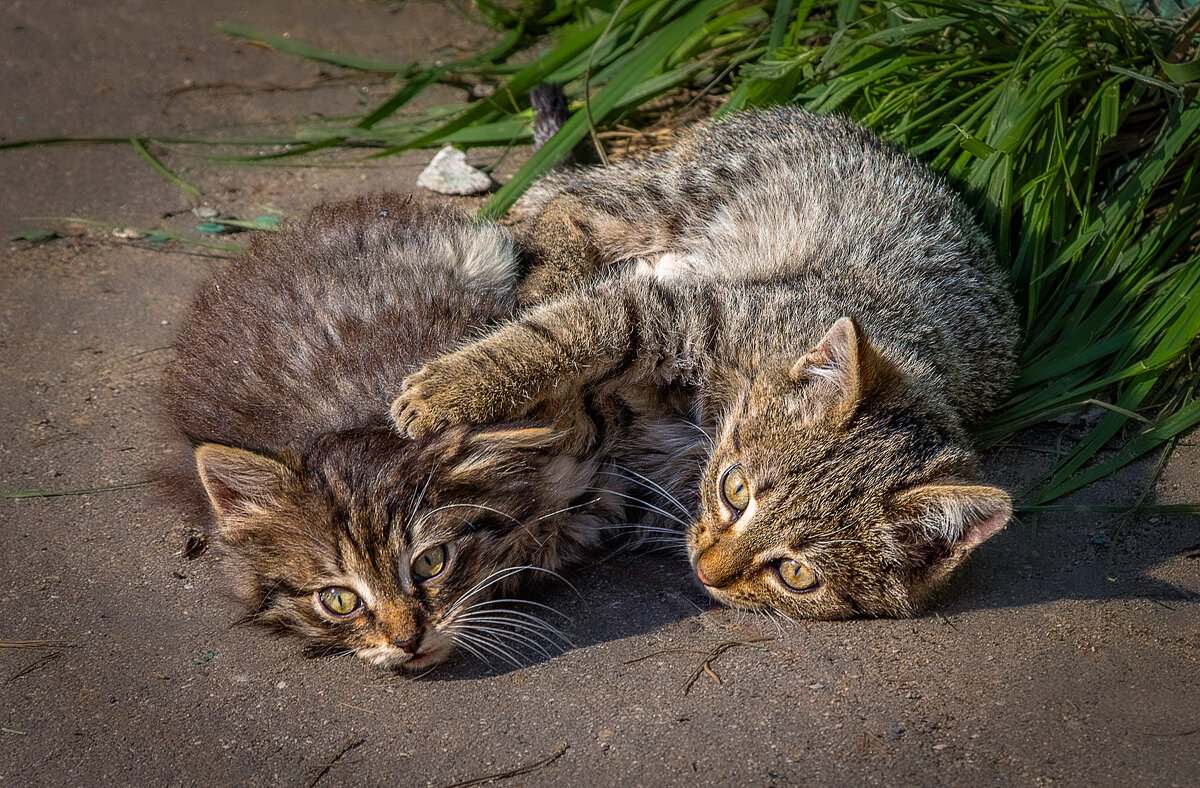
339,601
430,563
797,576
734,489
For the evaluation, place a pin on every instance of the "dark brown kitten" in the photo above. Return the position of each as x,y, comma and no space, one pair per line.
333,526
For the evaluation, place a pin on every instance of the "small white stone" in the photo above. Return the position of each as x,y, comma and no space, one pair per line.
128,233
206,212
449,173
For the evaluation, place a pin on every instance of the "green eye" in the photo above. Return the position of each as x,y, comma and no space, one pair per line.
797,576
339,601
430,563
734,489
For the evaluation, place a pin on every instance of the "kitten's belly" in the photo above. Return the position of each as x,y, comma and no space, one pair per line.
671,265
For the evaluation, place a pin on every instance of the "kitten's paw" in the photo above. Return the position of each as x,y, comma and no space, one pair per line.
436,396
414,412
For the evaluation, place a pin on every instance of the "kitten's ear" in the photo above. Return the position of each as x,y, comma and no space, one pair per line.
241,483
838,371
942,523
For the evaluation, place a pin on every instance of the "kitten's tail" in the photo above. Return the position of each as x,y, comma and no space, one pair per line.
550,112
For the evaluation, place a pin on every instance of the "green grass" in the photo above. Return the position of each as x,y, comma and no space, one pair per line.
1072,126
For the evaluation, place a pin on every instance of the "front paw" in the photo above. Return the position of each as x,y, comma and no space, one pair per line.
421,407
451,390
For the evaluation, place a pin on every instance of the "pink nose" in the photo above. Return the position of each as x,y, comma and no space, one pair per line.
700,574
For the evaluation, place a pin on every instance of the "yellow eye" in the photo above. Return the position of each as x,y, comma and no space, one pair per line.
339,601
797,576
734,489
430,563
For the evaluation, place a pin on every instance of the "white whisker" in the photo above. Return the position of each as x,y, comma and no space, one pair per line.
485,643
541,627
513,637
474,506
647,504
555,611
567,509
646,481
420,497
470,649
489,580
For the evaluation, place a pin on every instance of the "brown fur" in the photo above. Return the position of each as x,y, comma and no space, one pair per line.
286,363
818,302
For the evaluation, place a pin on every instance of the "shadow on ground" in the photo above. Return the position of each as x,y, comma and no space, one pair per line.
119,659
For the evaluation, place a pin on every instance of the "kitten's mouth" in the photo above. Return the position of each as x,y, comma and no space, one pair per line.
422,659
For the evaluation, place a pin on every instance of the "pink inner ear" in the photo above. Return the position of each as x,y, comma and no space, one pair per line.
236,480
959,516
979,531
830,373
835,357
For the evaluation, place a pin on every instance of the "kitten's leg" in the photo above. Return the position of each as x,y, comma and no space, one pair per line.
590,221
618,332
560,250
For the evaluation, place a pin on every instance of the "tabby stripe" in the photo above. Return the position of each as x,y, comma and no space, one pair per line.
711,320
561,348
633,349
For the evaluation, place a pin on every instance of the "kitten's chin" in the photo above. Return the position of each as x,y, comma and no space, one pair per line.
392,658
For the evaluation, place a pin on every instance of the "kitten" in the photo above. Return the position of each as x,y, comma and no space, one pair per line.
820,303
333,526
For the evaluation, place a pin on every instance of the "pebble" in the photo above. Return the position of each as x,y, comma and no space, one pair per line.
128,233
449,173
205,212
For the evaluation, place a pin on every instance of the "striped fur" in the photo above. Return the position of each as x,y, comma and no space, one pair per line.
287,361
819,303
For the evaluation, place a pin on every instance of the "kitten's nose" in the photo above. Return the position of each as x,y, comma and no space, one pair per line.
716,567
409,646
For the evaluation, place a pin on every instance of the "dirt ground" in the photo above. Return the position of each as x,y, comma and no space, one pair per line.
1065,652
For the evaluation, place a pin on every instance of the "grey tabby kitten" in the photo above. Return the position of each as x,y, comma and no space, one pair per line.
819,302
334,527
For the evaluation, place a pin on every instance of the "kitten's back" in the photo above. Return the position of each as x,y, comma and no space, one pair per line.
845,223
314,330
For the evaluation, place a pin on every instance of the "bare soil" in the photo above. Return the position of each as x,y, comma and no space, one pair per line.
1067,651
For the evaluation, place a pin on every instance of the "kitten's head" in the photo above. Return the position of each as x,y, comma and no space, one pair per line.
395,549
837,489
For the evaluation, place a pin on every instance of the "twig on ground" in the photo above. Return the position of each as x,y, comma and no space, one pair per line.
705,666
320,770
554,756
56,643
14,494
31,667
